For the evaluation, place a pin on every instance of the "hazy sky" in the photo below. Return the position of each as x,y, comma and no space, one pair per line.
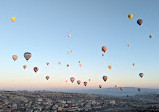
42,26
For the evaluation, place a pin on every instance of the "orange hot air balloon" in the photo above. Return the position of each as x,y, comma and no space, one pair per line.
79,61
80,65
36,69
72,79
104,49
47,77
13,19
150,36
24,66
128,45
71,51
85,83
47,63
130,16
67,65
59,63
105,78
110,67
69,35
15,57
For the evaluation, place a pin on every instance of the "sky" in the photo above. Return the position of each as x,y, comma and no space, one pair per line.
42,28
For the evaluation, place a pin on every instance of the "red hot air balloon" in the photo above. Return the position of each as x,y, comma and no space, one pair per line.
47,77
36,69
67,65
85,83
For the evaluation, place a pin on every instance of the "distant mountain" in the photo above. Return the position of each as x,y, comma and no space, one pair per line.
130,91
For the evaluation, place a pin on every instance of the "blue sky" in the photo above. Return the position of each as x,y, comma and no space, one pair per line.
41,27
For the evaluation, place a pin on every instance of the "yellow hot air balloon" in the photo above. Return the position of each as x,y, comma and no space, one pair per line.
130,16
150,36
13,19
110,67
24,66
59,63
69,35
71,51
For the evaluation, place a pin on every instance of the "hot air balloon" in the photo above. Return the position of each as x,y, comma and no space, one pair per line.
128,45
78,82
130,16
36,69
141,75
69,35
139,21
139,89
133,64
89,79
115,86
47,63
79,61
13,19
102,54
59,63
15,57
150,36
47,77
24,66
104,49
72,79
80,65
85,83
67,65
71,51
110,67
27,55
105,78
68,52
121,89
100,86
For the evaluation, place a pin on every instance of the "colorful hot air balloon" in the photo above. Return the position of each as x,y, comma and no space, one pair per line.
85,83
69,35
13,19
110,67
100,86
150,36
47,77
102,54
27,55
47,63
139,21
15,57
141,75
121,89
104,49
105,78
36,69
139,89
130,16
72,79
24,66
78,82
67,65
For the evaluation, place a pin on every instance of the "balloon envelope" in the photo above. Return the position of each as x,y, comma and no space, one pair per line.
130,16
139,21
15,57
24,66
100,86
36,69
78,82
105,78
104,48
141,75
27,55
72,79
47,77
13,19
85,83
